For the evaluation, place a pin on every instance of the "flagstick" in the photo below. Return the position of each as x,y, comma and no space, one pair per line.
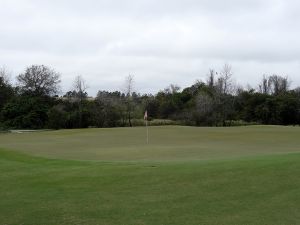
146,120
147,131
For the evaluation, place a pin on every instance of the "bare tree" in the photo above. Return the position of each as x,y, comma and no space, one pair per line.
129,85
225,88
6,90
211,78
172,89
5,75
225,82
204,109
128,90
274,84
264,86
80,87
40,80
278,84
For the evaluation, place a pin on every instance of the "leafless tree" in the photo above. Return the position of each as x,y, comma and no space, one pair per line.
204,104
211,78
5,75
172,89
274,84
225,87
129,85
128,90
40,80
225,83
205,113
80,87
6,90
278,84
264,86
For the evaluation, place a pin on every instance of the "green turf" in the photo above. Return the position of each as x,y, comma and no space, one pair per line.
166,143
209,177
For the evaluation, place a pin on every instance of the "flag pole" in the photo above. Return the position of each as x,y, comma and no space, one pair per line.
147,130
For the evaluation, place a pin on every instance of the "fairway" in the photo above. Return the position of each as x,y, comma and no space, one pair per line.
185,175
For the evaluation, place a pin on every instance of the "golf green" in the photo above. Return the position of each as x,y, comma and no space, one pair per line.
169,143
185,175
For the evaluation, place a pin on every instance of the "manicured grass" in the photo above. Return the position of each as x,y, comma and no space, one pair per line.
170,143
229,183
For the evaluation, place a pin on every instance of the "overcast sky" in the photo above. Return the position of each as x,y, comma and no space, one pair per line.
158,41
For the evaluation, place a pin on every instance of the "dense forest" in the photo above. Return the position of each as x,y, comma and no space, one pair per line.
34,103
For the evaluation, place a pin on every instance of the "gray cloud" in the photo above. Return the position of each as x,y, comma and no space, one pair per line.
161,42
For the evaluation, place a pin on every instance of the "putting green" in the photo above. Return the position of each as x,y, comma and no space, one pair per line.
186,175
169,143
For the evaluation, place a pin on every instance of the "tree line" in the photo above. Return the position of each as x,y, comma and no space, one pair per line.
33,103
